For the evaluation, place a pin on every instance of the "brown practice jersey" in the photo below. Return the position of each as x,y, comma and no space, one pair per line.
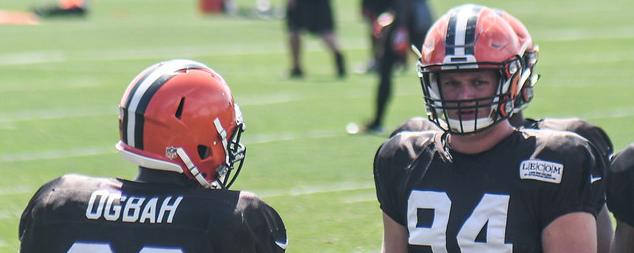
620,185
82,214
502,198
582,127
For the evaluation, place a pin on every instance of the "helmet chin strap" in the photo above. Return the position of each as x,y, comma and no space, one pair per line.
225,168
193,169
223,136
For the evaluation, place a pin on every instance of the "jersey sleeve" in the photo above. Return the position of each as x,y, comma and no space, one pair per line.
33,207
35,212
383,177
44,224
587,130
264,230
392,162
582,187
620,186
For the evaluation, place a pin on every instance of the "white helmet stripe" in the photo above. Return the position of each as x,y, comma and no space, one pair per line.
459,39
461,32
140,96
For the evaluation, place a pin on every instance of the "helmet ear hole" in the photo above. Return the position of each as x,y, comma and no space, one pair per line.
203,151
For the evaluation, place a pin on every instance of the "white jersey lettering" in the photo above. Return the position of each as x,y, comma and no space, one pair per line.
112,206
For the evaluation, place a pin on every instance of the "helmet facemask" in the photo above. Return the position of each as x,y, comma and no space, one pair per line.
528,79
235,153
447,114
470,38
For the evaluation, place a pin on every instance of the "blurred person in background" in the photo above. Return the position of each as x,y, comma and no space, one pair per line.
315,17
370,10
63,8
396,24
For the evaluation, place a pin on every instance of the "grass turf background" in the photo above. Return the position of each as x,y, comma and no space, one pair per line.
61,81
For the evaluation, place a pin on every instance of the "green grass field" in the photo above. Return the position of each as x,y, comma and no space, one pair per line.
61,82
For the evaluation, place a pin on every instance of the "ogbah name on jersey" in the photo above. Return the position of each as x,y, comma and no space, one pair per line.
112,206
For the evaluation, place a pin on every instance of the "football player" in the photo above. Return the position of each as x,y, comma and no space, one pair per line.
480,184
586,129
620,198
179,123
402,22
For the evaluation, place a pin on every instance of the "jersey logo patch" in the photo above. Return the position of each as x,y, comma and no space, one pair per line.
541,171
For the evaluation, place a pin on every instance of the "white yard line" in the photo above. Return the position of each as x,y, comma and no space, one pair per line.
55,154
339,187
37,57
91,151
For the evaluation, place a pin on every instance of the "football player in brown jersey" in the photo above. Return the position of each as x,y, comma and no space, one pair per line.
620,198
179,123
586,129
480,184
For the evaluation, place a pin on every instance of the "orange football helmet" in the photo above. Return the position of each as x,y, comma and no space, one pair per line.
467,38
180,116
